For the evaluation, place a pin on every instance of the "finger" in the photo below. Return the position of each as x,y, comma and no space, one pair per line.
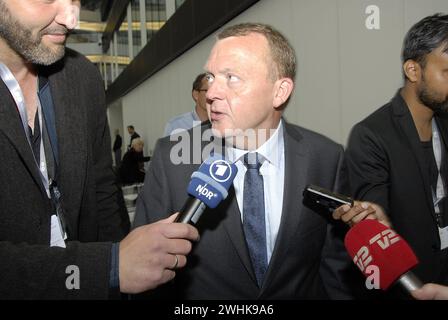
170,219
178,246
180,231
174,261
167,275
363,215
340,211
182,261
351,213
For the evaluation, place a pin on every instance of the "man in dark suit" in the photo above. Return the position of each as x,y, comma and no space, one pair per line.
117,148
397,156
61,212
133,134
261,242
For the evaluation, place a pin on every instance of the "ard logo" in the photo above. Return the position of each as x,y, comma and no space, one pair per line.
220,170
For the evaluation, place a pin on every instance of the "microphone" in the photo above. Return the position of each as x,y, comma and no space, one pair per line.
370,243
209,185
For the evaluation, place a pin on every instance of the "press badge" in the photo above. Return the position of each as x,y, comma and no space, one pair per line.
443,234
57,238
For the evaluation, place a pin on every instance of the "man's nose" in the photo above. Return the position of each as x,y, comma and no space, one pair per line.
214,90
68,14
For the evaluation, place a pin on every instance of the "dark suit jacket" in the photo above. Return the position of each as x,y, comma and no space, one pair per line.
117,143
131,167
387,166
306,261
95,213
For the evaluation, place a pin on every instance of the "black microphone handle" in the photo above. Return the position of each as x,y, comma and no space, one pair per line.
410,282
191,211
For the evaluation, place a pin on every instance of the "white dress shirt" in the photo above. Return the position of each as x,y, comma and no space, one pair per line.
273,172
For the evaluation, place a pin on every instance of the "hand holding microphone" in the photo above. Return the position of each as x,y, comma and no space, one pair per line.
360,211
375,247
431,291
151,254
340,207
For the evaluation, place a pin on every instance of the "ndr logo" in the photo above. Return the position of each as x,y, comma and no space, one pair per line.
205,192
220,170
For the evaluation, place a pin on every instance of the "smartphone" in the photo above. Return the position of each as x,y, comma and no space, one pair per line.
322,200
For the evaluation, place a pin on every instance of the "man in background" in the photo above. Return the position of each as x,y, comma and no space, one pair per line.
117,148
198,114
133,134
397,156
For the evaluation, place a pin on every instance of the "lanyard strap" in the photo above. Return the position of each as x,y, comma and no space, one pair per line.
46,101
439,193
46,113
14,87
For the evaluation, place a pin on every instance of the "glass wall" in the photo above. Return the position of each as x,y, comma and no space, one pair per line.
179,3
142,21
155,16
136,34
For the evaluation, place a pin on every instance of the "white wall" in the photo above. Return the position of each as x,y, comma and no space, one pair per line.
345,71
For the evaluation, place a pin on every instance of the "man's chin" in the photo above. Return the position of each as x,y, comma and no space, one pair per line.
47,56
441,109
218,132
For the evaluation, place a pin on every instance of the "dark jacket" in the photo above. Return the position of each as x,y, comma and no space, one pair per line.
117,143
387,165
131,170
308,260
95,213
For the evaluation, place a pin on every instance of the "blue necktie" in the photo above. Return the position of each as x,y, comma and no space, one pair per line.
253,210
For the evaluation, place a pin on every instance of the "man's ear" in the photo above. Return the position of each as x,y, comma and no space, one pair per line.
283,90
195,95
412,70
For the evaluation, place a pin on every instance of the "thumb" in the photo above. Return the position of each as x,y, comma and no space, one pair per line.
170,219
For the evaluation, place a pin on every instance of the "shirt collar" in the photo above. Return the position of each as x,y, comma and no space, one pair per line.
269,150
195,115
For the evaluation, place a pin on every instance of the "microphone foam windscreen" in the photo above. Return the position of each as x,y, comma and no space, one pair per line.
211,182
370,243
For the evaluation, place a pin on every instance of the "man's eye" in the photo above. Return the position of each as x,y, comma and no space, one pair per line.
209,78
232,78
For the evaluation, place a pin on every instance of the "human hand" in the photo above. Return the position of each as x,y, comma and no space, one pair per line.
360,211
431,291
150,254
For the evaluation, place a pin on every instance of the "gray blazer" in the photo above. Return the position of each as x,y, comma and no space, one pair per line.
308,260
95,213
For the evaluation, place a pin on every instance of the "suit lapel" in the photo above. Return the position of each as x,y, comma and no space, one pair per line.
406,123
72,136
296,167
234,228
11,126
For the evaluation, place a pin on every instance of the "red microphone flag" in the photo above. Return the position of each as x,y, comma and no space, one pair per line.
370,243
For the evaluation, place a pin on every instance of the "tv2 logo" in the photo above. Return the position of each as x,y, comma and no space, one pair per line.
363,258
